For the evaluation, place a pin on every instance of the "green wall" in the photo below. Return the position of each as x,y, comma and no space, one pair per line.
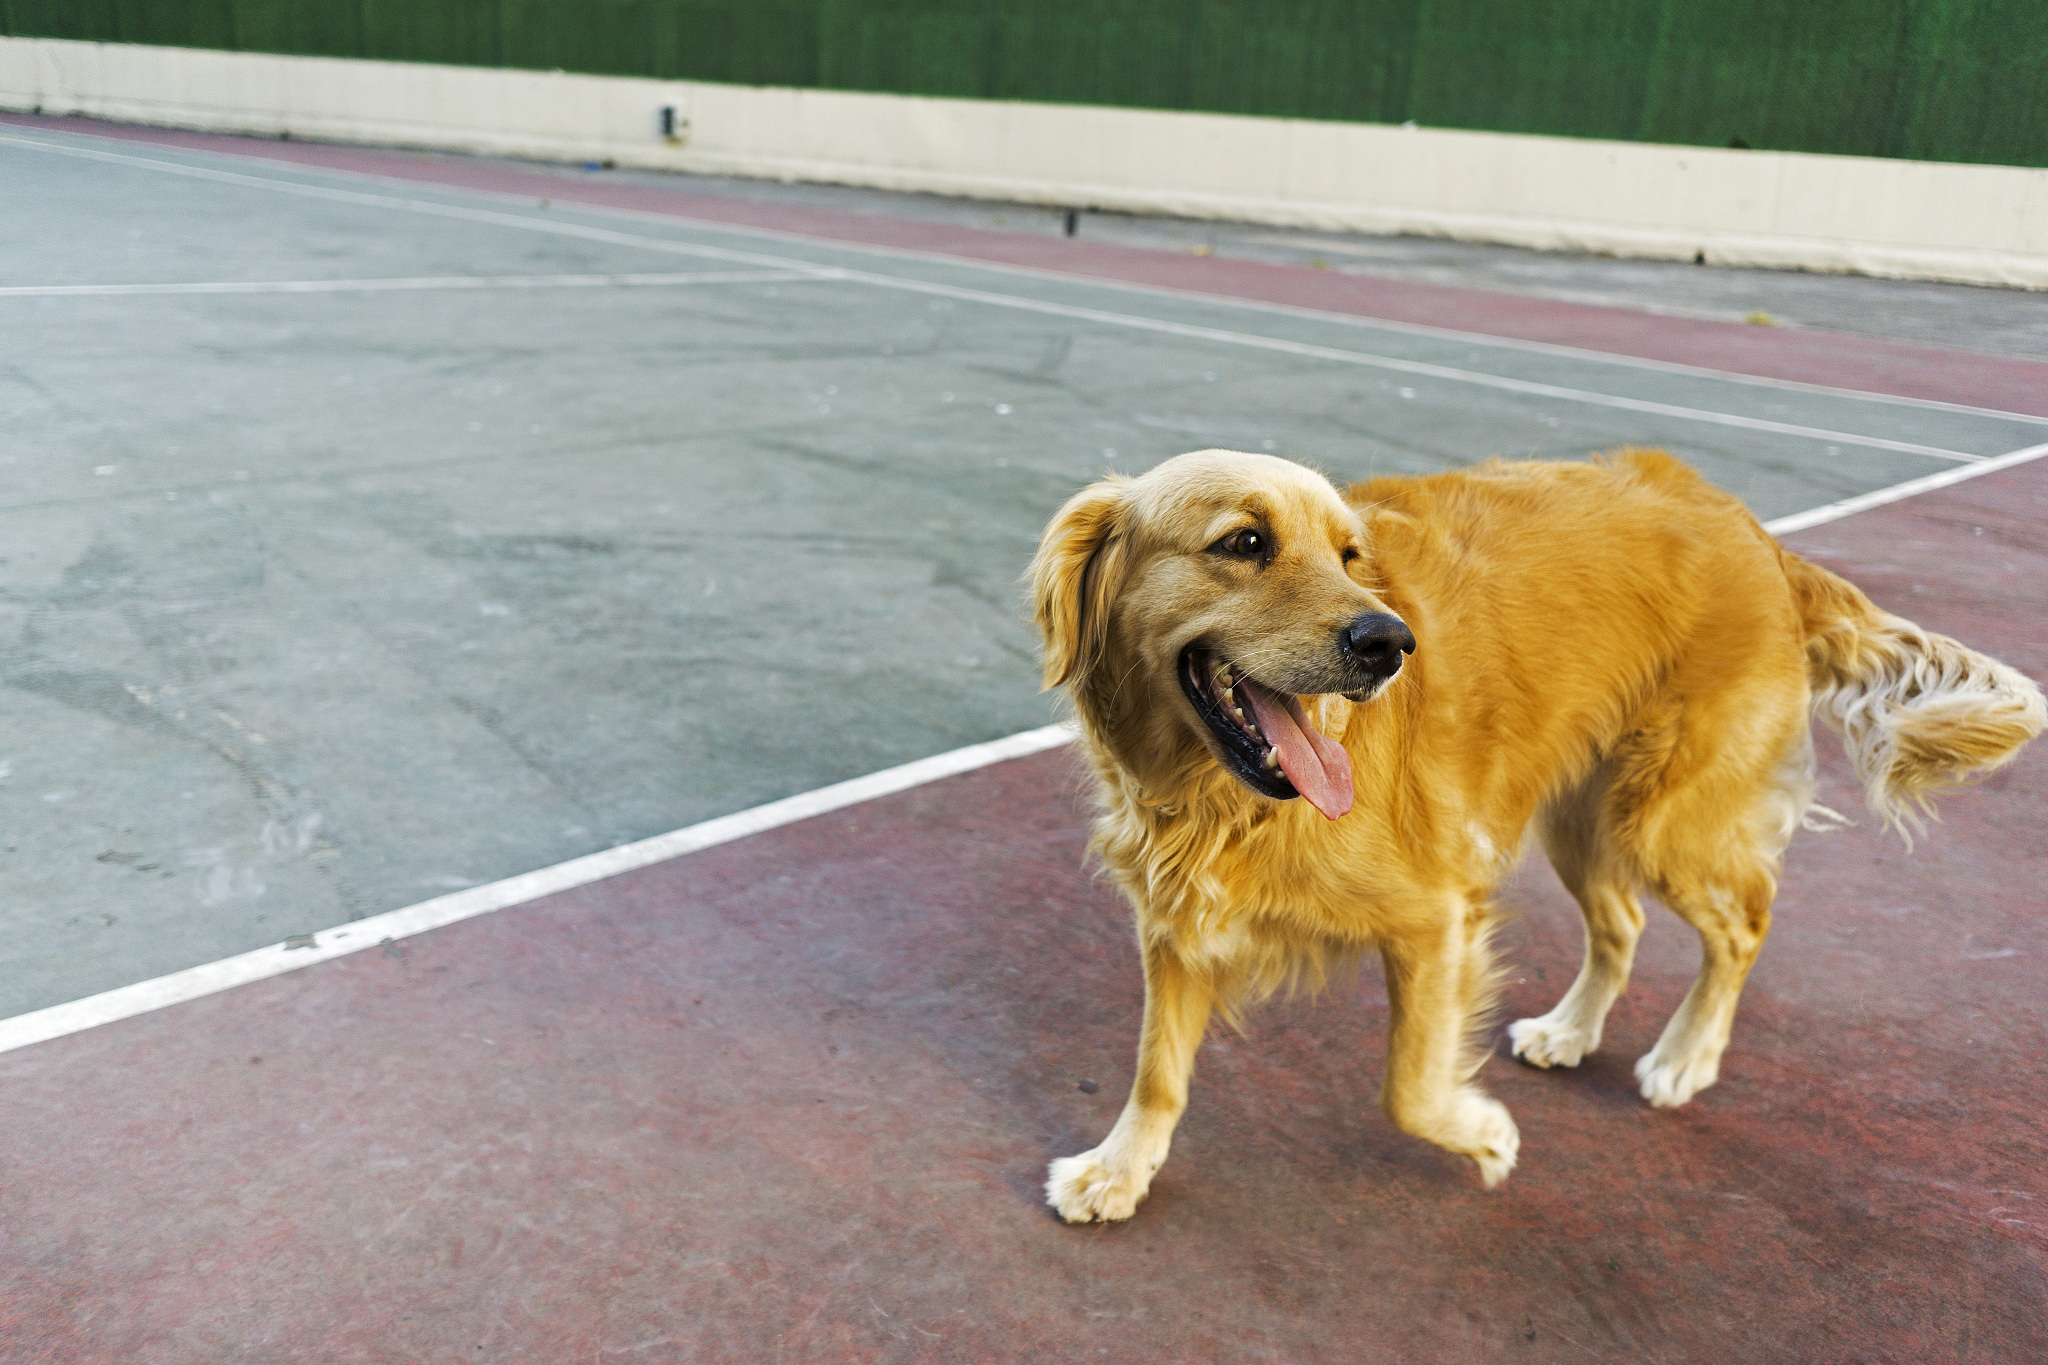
1945,80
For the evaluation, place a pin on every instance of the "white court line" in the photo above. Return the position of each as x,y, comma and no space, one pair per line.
195,982
1015,301
415,283
1414,367
1547,348
1899,492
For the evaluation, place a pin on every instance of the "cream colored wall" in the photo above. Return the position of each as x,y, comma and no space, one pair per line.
1980,224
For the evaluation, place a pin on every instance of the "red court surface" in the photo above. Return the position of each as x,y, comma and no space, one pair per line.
1952,376
791,1099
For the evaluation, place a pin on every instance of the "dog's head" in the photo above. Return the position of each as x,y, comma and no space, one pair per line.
1196,604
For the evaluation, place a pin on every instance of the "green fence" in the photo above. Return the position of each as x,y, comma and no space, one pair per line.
1945,80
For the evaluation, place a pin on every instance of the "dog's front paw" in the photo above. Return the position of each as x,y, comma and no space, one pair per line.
1670,1083
1551,1041
1093,1187
1489,1137
1468,1122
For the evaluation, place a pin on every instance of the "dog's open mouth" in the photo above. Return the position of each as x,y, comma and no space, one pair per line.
1267,740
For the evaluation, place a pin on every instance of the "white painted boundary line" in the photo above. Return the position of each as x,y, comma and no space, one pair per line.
1528,387
570,203
1899,492
1012,301
212,977
423,282
1359,320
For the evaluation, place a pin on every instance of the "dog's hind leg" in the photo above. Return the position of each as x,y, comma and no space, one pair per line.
1732,912
1574,834
1713,857
1440,984
1108,1181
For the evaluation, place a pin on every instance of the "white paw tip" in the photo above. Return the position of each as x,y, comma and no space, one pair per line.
1669,1085
1493,1139
1539,1042
1083,1190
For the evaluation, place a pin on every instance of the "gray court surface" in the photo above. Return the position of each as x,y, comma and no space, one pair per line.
362,541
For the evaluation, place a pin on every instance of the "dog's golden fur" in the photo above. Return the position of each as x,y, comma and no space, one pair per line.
1613,655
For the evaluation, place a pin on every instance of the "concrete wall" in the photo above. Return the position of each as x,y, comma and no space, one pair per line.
1926,220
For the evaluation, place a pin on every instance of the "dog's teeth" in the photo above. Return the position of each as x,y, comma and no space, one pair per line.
1272,758
1229,698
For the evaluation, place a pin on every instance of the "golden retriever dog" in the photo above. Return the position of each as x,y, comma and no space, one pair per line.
1614,656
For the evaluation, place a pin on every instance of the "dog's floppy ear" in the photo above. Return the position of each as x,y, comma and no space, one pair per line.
1075,576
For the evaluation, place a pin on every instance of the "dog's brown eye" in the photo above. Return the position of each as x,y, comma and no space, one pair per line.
1244,544
1350,553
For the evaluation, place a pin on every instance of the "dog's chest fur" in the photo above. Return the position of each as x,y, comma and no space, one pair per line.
1228,877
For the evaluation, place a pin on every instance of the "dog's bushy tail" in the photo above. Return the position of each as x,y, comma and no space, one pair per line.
1918,712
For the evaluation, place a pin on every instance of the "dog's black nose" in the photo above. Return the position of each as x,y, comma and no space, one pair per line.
1376,641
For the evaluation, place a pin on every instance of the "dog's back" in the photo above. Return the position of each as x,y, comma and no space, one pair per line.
1604,577
1556,602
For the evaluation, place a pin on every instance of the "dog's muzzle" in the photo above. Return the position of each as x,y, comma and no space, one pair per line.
1375,644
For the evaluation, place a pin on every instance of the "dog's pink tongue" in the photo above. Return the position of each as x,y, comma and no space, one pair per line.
1317,766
